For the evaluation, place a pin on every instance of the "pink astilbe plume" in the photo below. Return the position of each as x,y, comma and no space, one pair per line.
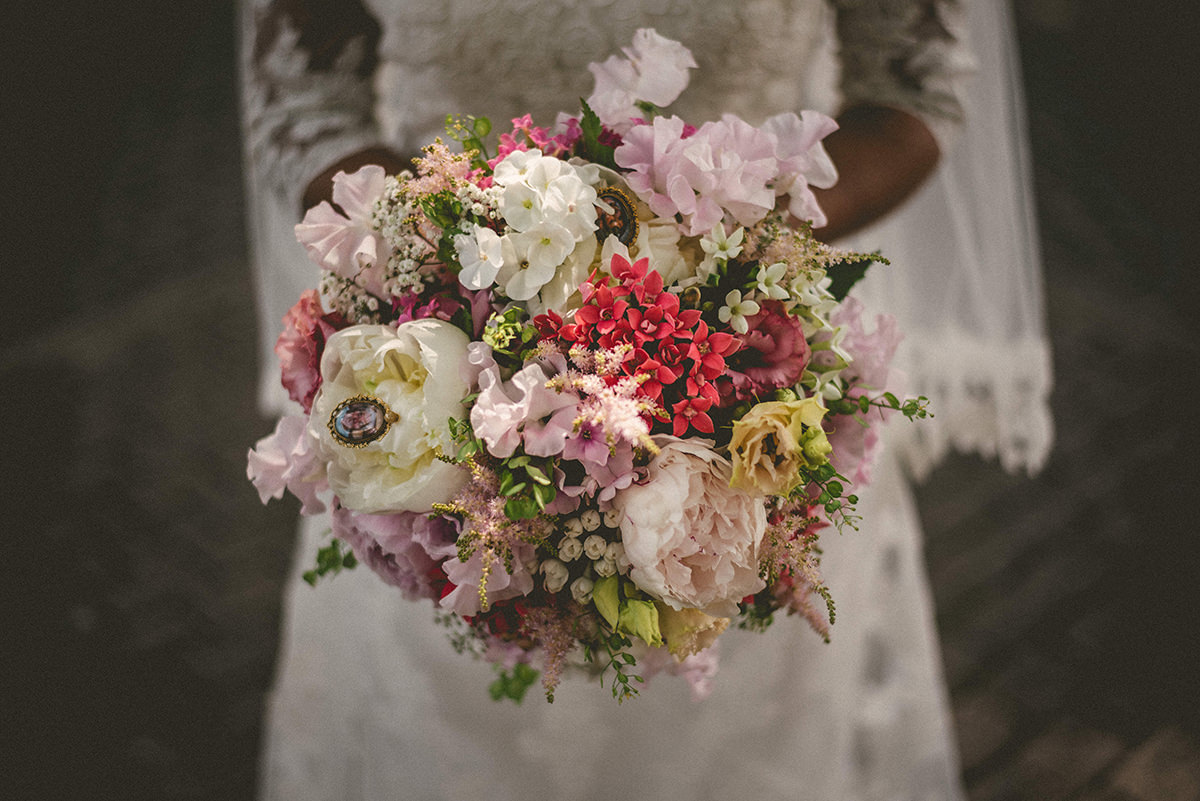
492,549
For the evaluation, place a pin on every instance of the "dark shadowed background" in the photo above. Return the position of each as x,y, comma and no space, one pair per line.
141,577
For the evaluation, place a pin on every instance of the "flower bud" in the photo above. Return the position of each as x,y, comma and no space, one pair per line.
590,519
569,549
581,590
556,575
605,567
594,546
615,553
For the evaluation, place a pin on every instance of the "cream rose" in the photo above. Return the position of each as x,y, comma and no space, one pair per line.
773,441
414,370
691,540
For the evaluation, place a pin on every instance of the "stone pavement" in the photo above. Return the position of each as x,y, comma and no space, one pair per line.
144,577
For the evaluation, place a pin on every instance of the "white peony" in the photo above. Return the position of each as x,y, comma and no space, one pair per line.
690,539
414,370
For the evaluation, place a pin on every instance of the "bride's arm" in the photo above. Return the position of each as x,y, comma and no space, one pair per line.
902,66
309,103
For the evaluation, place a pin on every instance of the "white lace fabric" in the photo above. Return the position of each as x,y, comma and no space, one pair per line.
371,702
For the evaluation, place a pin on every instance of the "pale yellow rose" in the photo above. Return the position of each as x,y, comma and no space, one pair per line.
773,441
688,631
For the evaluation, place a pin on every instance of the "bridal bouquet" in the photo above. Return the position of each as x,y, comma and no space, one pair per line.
594,390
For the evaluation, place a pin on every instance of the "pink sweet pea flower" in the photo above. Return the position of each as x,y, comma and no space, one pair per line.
288,459
347,245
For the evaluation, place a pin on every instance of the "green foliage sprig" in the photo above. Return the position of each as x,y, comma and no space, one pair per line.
331,560
471,132
513,684
619,660
913,408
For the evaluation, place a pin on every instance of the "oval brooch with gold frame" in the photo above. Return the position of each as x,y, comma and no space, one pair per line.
357,422
622,221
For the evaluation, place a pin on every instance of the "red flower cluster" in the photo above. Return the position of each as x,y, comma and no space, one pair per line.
675,351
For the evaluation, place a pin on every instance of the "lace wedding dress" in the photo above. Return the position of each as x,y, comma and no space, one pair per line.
371,702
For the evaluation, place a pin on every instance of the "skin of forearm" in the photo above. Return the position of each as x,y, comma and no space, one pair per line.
321,187
883,155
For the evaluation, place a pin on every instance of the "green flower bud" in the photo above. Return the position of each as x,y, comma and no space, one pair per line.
640,619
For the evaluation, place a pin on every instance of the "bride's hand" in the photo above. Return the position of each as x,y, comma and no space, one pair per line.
882,155
321,187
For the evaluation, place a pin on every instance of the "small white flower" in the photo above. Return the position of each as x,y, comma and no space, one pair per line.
719,248
581,590
612,519
481,254
573,527
595,546
723,246
768,281
570,549
556,575
590,519
735,311
605,567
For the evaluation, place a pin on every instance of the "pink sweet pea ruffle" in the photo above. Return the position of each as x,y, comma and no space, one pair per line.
288,459
347,245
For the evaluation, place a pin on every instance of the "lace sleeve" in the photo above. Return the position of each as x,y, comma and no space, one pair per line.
307,69
907,54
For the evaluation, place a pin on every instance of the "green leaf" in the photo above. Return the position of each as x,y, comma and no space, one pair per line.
520,508
512,685
606,597
844,275
536,474
331,560
544,494
589,145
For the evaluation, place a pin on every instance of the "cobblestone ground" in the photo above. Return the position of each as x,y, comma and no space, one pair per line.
142,593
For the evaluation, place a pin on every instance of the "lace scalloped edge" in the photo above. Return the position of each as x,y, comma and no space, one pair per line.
986,397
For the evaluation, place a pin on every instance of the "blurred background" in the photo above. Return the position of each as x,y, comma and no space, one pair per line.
141,597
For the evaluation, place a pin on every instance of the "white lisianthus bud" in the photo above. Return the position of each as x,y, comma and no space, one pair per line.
573,527
612,518
556,575
570,549
594,546
590,520
605,567
581,590
615,553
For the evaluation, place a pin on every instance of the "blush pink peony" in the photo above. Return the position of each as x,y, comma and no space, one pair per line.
691,540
